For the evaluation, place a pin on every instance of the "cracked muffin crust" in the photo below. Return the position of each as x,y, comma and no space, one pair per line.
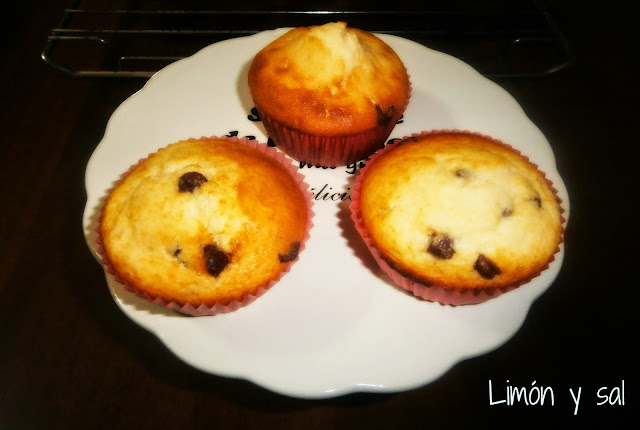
329,94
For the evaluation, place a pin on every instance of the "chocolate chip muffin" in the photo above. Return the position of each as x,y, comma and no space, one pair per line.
457,217
205,223
329,95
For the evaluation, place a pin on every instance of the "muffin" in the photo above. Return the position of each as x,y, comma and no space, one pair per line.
205,225
457,217
329,95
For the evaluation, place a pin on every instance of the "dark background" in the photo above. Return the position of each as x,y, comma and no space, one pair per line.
69,358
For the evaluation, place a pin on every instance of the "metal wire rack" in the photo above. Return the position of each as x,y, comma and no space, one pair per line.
501,39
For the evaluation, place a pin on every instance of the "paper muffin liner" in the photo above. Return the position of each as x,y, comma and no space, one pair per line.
330,151
442,294
232,305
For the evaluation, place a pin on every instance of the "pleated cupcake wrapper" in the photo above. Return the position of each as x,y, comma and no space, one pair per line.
232,305
442,294
329,151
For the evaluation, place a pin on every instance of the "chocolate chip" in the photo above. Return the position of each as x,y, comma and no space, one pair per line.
175,252
291,254
441,246
537,200
462,173
190,181
215,259
486,268
385,117
507,212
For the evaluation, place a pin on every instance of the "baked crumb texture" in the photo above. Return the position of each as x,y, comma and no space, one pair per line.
458,211
332,83
205,222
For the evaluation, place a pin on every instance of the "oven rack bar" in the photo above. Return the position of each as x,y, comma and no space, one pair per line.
506,42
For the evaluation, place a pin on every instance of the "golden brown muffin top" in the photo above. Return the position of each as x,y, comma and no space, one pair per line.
329,80
460,210
204,221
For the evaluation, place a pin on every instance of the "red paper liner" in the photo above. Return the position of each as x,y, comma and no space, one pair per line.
217,308
444,295
329,151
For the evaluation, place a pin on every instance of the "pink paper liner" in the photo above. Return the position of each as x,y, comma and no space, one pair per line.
217,308
329,151
438,293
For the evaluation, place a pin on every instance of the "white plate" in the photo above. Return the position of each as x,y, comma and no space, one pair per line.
334,324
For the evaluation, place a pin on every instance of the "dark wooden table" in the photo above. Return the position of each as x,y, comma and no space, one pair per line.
69,358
